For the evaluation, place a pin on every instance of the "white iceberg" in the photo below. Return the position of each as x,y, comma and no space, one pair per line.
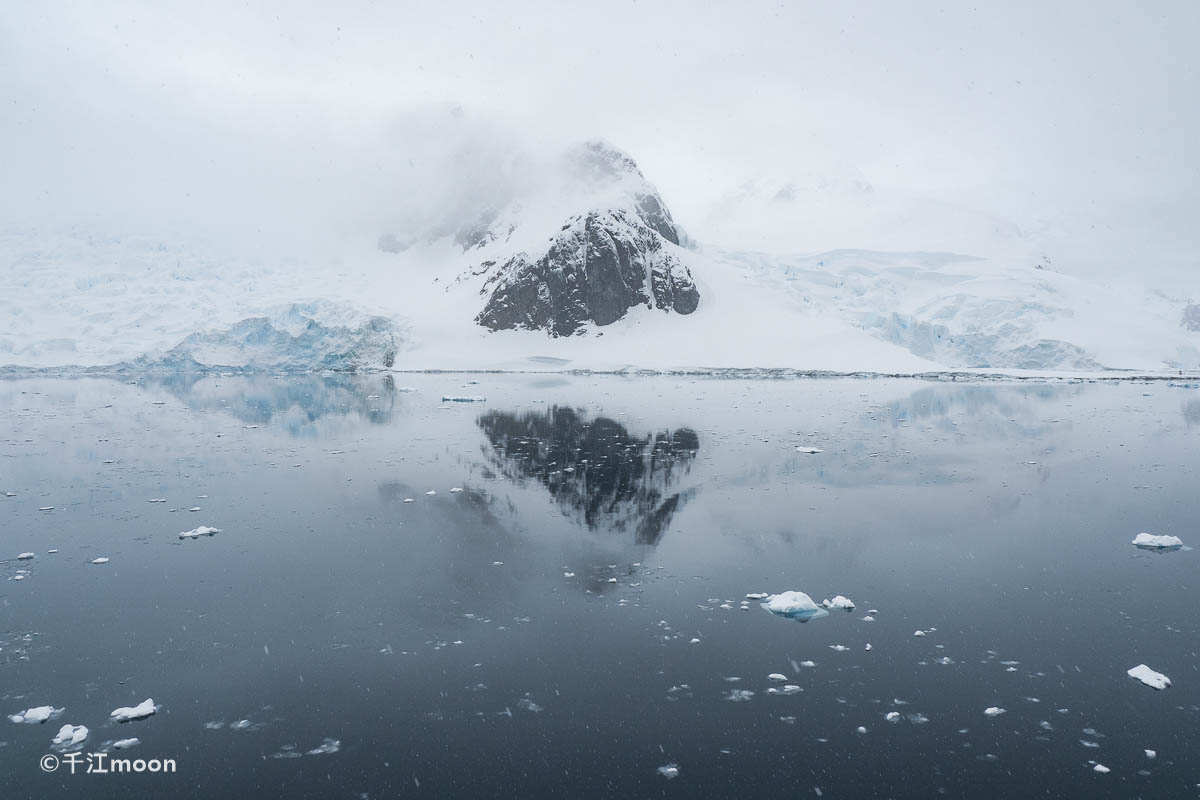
796,605
196,533
841,601
36,716
69,736
24,556
1152,542
1155,680
994,711
777,676
144,709
1103,770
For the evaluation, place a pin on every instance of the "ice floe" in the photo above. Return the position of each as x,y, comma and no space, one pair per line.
796,605
669,771
1150,541
812,451
994,711
69,736
463,398
739,695
776,676
36,716
1155,680
100,560
1103,770
125,744
840,601
196,533
24,556
142,710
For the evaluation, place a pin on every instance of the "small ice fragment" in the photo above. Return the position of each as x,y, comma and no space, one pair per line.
861,729
46,508
669,771
1152,542
776,676
431,492
194,508
739,695
868,647
811,451
868,618
196,533
694,641
792,604
1151,753
408,500
455,489
757,596
892,716
1155,680
326,747
453,398
125,744
1103,770
841,648
840,601
70,735
568,574
100,560
52,550
918,633
142,710
808,663
24,556
36,716
994,711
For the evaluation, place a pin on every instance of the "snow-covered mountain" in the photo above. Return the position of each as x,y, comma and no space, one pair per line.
579,264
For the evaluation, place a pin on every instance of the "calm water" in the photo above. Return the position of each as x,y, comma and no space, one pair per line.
535,633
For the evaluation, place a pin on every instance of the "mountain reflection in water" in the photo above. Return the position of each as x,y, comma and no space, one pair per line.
595,469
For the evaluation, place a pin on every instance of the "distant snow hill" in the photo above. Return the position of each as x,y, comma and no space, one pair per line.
583,268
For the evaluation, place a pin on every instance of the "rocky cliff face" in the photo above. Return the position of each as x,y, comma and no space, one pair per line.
621,252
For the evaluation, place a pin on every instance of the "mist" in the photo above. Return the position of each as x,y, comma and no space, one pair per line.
1012,129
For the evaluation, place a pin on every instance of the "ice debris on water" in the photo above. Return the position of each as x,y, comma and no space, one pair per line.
24,556
776,676
994,711
739,695
196,533
125,744
36,716
1155,680
1150,541
1103,770
463,398
757,596
812,451
144,709
100,560
840,601
669,771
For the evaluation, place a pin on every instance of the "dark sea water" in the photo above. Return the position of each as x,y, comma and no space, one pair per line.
572,619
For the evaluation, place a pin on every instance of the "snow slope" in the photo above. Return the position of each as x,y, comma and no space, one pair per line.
89,298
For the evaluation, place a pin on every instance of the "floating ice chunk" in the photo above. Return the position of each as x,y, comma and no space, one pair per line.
694,641
326,747
24,556
739,695
868,647
52,550
868,618
994,711
796,605
808,663
841,601
1103,770
142,710
892,716
463,398
669,771
36,716
1149,541
455,490
46,508
1155,680
757,596
125,744
811,451
157,500
194,508
776,676
431,492
69,736
1151,753
786,689
841,648
196,533
918,633
408,500
100,560
861,729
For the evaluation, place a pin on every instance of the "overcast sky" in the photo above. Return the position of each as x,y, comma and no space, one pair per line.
1075,120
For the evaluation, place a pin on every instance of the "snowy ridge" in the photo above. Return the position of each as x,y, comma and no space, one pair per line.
582,270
